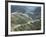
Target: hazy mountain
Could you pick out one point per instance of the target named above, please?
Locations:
(32, 11)
(25, 18)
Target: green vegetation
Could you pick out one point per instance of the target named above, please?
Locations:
(22, 23)
(36, 25)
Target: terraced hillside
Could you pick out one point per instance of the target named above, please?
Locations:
(22, 22)
(25, 18)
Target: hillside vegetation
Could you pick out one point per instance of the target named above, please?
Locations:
(20, 22)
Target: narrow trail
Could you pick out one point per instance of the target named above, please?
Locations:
(18, 25)
(27, 24)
